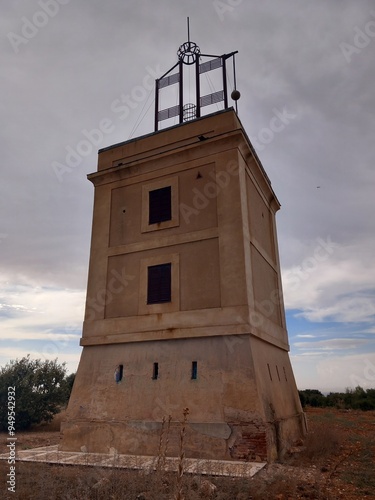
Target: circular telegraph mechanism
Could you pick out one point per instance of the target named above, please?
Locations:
(188, 52)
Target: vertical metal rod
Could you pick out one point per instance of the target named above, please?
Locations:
(198, 87)
(156, 105)
(225, 85)
(235, 79)
(181, 91)
(188, 26)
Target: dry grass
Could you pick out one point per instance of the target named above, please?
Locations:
(335, 458)
(322, 441)
(179, 495)
(37, 481)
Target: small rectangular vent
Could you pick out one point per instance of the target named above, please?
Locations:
(194, 370)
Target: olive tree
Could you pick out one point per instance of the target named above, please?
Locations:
(41, 389)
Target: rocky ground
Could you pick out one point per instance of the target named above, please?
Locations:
(336, 461)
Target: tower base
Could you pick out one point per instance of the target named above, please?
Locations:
(240, 417)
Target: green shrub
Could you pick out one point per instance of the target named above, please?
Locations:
(41, 388)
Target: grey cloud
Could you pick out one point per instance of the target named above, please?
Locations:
(65, 79)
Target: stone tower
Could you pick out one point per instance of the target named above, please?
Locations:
(184, 301)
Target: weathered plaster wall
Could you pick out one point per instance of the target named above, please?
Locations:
(224, 391)
(226, 310)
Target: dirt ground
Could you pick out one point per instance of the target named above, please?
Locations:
(335, 461)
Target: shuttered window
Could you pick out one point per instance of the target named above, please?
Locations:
(160, 207)
(159, 284)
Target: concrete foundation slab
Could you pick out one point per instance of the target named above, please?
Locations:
(52, 455)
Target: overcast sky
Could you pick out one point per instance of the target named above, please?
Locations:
(67, 67)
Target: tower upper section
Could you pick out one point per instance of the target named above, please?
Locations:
(195, 84)
(184, 238)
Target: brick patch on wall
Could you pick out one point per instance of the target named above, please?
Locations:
(250, 441)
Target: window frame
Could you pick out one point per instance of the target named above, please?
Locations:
(171, 182)
(156, 213)
(163, 307)
(165, 270)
